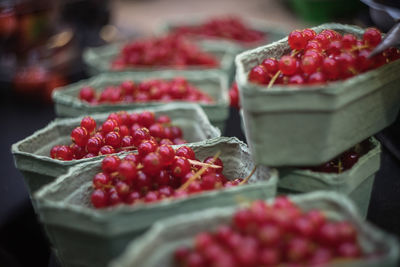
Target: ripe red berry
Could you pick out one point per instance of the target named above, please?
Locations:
(89, 124)
(152, 163)
(259, 75)
(140, 135)
(271, 65)
(110, 164)
(100, 180)
(185, 151)
(317, 78)
(297, 40)
(372, 37)
(146, 118)
(94, 144)
(147, 147)
(99, 198)
(288, 65)
(64, 153)
(348, 41)
(77, 151)
(127, 169)
(80, 136)
(180, 167)
(113, 139)
(109, 126)
(167, 154)
(104, 150)
(309, 64)
(87, 93)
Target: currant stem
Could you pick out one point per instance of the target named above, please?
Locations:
(249, 176)
(199, 163)
(272, 81)
(198, 173)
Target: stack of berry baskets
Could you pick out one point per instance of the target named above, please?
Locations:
(64, 143)
(311, 99)
(316, 229)
(127, 90)
(107, 203)
(168, 52)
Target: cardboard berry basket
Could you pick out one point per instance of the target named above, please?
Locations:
(32, 154)
(309, 125)
(356, 182)
(156, 247)
(85, 236)
(68, 104)
(98, 60)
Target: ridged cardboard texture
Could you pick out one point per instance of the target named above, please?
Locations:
(356, 182)
(32, 154)
(156, 247)
(75, 228)
(67, 103)
(313, 124)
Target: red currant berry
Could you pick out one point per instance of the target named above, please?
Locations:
(140, 135)
(309, 64)
(330, 68)
(288, 65)
(113, 139)
(152, 163)
(89, 124)
(80, 136)
(77, 151)
(110, 164)
(180, 167)
(167, 154)
(147, 147)
(348, 41)
(316, 78)
(372, 37)
(99, 198)
(64, 153)
(258, 75)
(100, 180)
(127, 169)
(94, 144)
(297, 40)
(309, 34)
(53, 151)
(146, 118)
(185, 151)
(104, 150)
(87, 93)
(271, 65)
(109, 126)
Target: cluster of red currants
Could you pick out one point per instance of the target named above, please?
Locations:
(344, 161)
(232, 28)
(121, 131)
(171, 50)
(323, 57)
(271, 235)
(155, 173)
(151, 90)
(234, 96)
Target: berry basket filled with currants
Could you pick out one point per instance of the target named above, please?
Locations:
(225, 31)
(168, 52)
(352, 173)
(126, 90)
(318, 84)
(108, 202)
(51, 151)
(316, 229)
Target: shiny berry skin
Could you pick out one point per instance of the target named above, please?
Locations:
(297, 40)
(87, 93)
(93, 145)
(363, 62)
(180, 167)
(258, 75)
(349, 250)
(185, 151)
(156, 130)
(100, 180)
(109, 126)
(372, 37)
(89, 124)
(217, 161)
(309, 64)
(110, 164)
(104, 150)
(78, 151)
(140, 135)
(194, 187)
(128, 87)
(176, 132)
(348, 41)
(296, 79)
(334, 48)
(80, 136)
(127, 169)
(122, 189)
(143, 181)
(99, 198)
(317, 78)
(146, 118)
(208, 182)
(271, 65)
(288, 65)
(113, 139)
(163, 119)
(167, 154)
(124, 131)
(152, 163)
(308, 34)
(147, 147)
(330, 68)
(53, 151)
(132, 197)
(64, 153)
(322, 39)
(127, 141)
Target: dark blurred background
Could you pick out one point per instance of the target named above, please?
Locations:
(41, 43)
